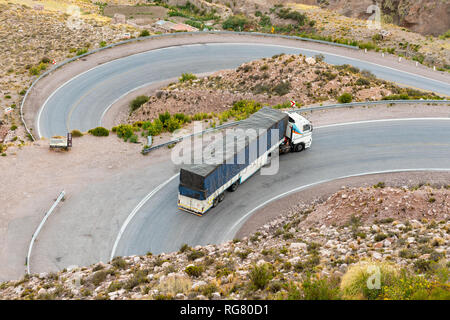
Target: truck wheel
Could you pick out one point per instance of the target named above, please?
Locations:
(299, 147)
(215, 202)
(234, 186)
(221, 196)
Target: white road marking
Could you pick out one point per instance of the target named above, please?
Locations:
(377, 121)
(133, 213)
(232, 230)
(121, 97)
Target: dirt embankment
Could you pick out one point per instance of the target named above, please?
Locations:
(273, 81)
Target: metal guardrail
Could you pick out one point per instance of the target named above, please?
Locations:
(36, 233)
(161, 36)
(298, 110)
(365, 103)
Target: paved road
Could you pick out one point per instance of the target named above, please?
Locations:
(81, 102)
(337, 151)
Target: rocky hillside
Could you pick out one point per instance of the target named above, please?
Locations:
(421, 16)
(272, 81)
(32, 35)
(324, 251)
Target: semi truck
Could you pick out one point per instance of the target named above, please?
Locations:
(203, 185)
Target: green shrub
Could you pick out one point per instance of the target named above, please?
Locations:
(261, 275)
(236, 23)
(379, 185)
(402, 96)
(354, 283)
(13, 127)
(367, 45)
(144, 33)
(156, 128)
(138, 102)
(173, 124)
(82, 51)
(413, 287)
(184, 248)
(76, 133)
(124, 131)
(98, 277)
(99, 132)
(102, 44)
(282, 88)
(345, 98)
(194, 271)
(320, 289)
(164, 118)
(287, 13)
(134, 139)
(195, 254)
(119, 263)
(187, 77)
(362, 82)
(139, 277)
(182, 118)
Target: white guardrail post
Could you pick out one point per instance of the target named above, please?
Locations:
(36, 233)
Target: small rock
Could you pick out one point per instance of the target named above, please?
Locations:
(42, 291)
(215, 296)
(180, 296)
(377, 255)
(298, 245)
(198, 284)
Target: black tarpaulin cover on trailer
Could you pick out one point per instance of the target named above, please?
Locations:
(235, 152)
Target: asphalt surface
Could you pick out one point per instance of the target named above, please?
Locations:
(81, 102)
(337, 151)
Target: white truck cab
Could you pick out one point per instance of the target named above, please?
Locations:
(298, 133)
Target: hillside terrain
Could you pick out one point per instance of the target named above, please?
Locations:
(421, 16)
(273, 81)
(32, 39)
(326, 250)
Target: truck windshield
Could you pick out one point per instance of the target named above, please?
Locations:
(307, 127)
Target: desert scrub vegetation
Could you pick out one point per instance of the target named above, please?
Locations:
(345, 98)
(99, 132)
(237, 23)
(187, 77)
(76, 133)
(137, 102)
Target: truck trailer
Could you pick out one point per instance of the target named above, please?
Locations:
(239, 155)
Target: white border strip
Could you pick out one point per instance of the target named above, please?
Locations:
(133, 213)
(36, 233)
(232, 231)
